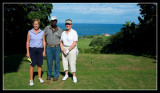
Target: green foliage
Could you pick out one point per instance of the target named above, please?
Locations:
(97, 41)
(85, 41)
(97, 44)
(18, 21)
(40, 11)
(148, 12)
(136, 39)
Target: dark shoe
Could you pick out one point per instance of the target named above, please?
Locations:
(48, 78)
(55, 79)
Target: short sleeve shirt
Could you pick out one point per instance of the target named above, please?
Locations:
(52, 37)
(68, 39)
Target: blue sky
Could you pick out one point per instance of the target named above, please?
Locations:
(106, 13)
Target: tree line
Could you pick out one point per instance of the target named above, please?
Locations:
(18, 21)
(133, 38)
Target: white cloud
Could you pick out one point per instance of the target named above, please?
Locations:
(96, 8)
(101, 12)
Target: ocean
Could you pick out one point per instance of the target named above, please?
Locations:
(84, 29)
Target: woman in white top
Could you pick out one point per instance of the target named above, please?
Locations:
(68, 44)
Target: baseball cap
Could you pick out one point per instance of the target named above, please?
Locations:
(53, 18)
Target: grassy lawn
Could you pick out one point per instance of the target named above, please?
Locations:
(84, 43)
(103, 71)
(94, 72)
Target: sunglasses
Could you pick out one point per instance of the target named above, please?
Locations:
(67, 24)
(53, 20)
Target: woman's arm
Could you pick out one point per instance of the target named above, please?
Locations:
(61, 46)
(75, 39)
(27, 45)
(73, 45)
(44, 46)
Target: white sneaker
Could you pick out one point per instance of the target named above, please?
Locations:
(31, 83)
(75, 79)
(65, 77)
(41, 80)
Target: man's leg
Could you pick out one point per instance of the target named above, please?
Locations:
(49, 52)
(56, 69)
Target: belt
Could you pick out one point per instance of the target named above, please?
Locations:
(52, 45)
(66, 46)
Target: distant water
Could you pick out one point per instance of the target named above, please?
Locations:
(94, 29)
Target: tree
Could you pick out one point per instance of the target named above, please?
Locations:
(147, 27)
(137, 39)
(97, 41)
(148, 12)
(18, 21)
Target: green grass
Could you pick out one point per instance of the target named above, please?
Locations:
(94, 72)
(84, 41)
(103, 71)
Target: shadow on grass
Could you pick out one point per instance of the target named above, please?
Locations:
(69, 74)
(36, 74)
(154, 57)
(12, 62)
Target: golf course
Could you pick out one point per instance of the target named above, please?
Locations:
(93, 71)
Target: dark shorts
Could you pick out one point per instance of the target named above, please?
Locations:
(36, 55)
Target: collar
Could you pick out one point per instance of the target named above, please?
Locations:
(70, 31)
(51, 27)
(38, 32)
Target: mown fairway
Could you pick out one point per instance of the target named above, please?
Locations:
(84, 41)
(103, 71)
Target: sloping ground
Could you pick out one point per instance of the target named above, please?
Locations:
(94, 72)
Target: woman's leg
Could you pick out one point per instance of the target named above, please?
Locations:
(39, 61)
(33, 59)
(65, 65)
(74, 74)
(65, 62)
(72, 60)
(39, 71)
(66, 72)
(39, 74)
(72, 63)
(31, 72)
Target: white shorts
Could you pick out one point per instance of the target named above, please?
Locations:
(70, 58)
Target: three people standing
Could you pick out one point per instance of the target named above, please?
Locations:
(52, 41)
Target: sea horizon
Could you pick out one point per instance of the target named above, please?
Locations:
(84, 29)
(91, 23)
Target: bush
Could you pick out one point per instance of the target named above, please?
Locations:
(97, 41)
(95, 50)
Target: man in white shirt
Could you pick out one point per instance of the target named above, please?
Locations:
(68, 44)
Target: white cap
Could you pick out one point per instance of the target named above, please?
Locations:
(53, 18)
